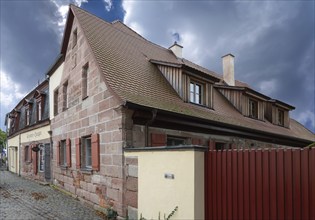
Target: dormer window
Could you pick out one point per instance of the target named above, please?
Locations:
(40, 100)
(27, 116)
(280, 117)
(195, 92)
(253, 108)
(74, 38)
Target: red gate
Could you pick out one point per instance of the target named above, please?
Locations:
(260, 184)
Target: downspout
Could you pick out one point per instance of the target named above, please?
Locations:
(149, 122)
(19, 150)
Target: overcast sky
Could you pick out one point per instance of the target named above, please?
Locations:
(273, 42)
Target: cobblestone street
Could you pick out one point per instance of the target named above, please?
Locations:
(24, 199)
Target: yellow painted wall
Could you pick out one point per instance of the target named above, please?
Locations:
(36, 134)
(156, 194)
(13, 154)
(54, 82)
(15, 143)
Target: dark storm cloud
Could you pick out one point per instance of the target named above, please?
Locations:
(273, 42)
(28, 42)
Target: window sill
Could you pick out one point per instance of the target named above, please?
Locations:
(86, 171)
(63, 167)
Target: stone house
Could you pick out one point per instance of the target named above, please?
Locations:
(29, 137)
(117, 90)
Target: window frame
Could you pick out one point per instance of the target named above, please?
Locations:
(63, 153)
(84, 84)
(27, 153)
(175, 138)
(85, 163)
(280, 117)
(200, 94)
(74, 37)
(253, 112)
(65, 96)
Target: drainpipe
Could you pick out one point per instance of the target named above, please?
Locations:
(149, 122)
(19, 149)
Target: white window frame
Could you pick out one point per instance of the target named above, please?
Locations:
(86, 152)
(193, 93)
(41, 158)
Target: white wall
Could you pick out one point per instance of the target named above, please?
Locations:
(157, 194)
(54, 82)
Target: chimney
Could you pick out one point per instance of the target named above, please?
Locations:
(177, 49)
(228, 69)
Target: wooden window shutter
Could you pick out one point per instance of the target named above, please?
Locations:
(78, 152)
(34, 161)
(196, 141)
(211, 145)
(95, 152)
(58, 153)
(158, 140)
(68, 151)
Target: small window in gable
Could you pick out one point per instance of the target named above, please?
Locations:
(74, 38)
(65, 95)
(280, 117)
(84, 81)
(253, 108)
(195, 92)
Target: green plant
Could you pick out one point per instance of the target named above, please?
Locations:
(165, 218)
(111, 213)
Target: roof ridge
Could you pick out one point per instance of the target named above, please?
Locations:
(111, 24)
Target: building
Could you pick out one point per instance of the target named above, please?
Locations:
(29, 137)
(117, 90)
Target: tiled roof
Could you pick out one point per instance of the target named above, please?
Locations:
(124, 58)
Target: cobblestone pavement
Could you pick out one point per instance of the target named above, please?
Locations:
(25, 199)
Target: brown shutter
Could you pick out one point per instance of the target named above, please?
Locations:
(211, 145)
(58, 153)
(95, 152)
(196, 141)
(78, 152)
(158, 140)
(68, 152)
(34, 161)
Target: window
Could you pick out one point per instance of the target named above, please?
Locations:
(27, 153)
(222, 146)
(253, 108)
(39, 110)
(56, 93)
(84, 80)
(195, 93)
(27, 116)
(74, 38)
(175, 141)
(63, 153)
(281, 117)
(41, 158)
(86, 152)
(65, 96)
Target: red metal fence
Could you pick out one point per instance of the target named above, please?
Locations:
(260, 184)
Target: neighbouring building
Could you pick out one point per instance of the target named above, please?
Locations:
(118, 90)
(29, 137)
